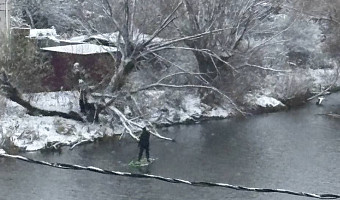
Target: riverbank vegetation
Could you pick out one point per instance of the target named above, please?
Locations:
(176, 62)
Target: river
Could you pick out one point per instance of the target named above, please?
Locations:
(296, 150)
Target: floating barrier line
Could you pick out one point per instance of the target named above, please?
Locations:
(169, 180)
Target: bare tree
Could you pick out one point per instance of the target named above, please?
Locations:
(46, 13)
(21, 58)
(128, 42)
(240, 19)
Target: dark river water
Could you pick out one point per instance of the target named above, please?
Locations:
(296, 150)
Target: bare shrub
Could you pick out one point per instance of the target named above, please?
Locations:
(25, 64)
(288, 86)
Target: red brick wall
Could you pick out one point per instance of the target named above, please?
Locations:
(95, 65)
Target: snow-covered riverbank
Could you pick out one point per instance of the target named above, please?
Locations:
(32, 133)
(35, 132)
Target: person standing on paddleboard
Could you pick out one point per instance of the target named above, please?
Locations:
(144, 142)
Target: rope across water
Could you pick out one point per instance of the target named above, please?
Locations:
(170, 180)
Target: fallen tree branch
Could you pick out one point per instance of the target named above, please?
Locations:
(128, 125)
(153, 132)
(124, 121)
(328, 88)
(13, 94)
(136, 104)
(81, 142)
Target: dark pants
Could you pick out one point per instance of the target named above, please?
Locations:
(141, 149)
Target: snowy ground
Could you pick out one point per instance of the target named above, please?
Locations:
(33, 132)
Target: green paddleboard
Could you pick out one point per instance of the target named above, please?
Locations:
(141, 163)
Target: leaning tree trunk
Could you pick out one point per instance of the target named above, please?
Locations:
(120, 76)
(207, 66)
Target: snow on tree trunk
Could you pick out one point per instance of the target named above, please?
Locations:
(119, 78)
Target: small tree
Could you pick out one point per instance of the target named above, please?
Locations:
(21, 58)
(42, 14)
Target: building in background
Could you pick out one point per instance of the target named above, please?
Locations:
(4, 16)
(97, 61)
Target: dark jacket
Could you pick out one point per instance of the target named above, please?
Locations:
(144, 139)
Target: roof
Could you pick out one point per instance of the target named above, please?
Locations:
(81, 49)
(40, 33)
(112, 38)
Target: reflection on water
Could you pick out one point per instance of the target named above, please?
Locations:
(295, 150)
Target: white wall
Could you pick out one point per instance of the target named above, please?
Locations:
(4, 22)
